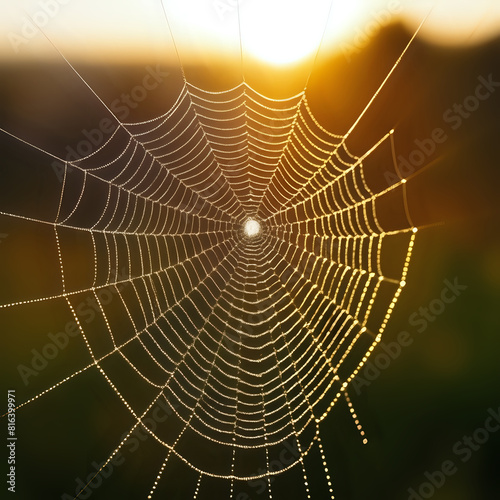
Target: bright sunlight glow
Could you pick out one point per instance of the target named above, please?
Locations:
(275, 31)
(286, 31)
(252, 228)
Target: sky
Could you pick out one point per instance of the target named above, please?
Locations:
(277, 31)
(441, 387)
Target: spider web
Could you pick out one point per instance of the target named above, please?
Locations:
(251, 340)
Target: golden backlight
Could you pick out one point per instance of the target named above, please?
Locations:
(278, 32)
(285, 31)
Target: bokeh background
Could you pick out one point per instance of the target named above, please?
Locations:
(439, 389)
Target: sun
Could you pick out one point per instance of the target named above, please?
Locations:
(285, 31)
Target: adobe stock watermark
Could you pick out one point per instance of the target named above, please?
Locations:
(462, 450)
(223, 7)
(121, 107)
(161, 411)
(48, 9)
(420, 320)
(454, 117)
(11, 440)
(362, 37)
(58, 341)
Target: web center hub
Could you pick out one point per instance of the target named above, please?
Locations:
(251, 228)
